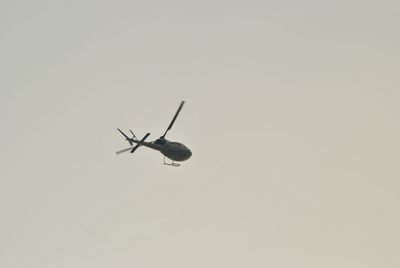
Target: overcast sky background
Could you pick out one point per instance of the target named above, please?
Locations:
(292, 113)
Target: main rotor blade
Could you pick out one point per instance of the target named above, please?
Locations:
(124, 150)
(173, 119)
(134, 148)
(120, 131)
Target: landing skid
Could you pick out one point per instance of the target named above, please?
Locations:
(173, 164)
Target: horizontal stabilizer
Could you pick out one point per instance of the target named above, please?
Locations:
(132, 149)
(138, 145)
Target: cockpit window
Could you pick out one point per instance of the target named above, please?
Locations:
(160, 142)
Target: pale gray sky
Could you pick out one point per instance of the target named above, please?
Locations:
(292, 115)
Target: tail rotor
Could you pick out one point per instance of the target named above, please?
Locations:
(132, 141)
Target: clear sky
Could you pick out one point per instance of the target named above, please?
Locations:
(292, 113)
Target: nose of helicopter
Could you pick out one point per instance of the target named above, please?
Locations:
(188, 153)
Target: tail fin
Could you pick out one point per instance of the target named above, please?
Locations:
(133, 135)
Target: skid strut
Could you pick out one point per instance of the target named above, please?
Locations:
(173, 164)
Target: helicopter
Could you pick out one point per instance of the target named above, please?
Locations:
(175, 151)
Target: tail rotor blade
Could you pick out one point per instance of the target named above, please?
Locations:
(173, 119)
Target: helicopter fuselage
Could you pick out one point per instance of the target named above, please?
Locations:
(175, 151)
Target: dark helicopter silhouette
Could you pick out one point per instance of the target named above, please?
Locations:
(175, 151)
